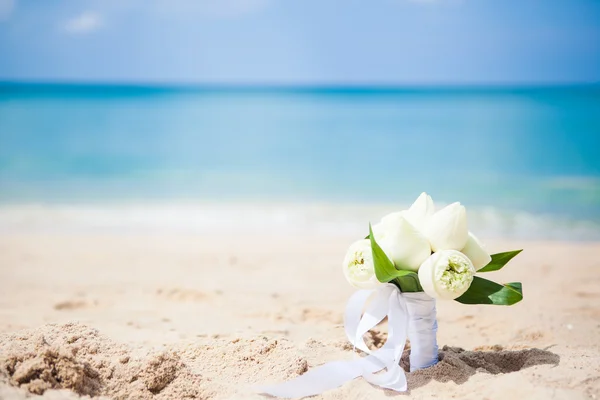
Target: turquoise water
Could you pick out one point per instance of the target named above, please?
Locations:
(533, 150)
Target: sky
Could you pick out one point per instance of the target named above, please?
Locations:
(301, 42)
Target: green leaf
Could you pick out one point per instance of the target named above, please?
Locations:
(409, 283)
(499, 260)
(384, 267)
(515, 286)
(483, 291)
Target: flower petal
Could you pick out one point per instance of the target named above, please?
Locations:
(476, 252)
(404, 244)
(358, 265)
(426, 276)
(447, 228)
(420, 211)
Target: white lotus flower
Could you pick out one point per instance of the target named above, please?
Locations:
(418, 213)
(446, 275)
(476, 252)
(358, 266)
(404, 245)
(447, 228)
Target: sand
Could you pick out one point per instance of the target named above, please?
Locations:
(175, 316)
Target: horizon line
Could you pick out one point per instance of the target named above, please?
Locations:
(281, 86)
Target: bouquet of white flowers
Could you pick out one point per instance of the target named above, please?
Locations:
(408, 260)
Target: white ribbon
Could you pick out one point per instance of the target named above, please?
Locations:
(422, 330)
(388, 301)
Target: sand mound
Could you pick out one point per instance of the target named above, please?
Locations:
(247, 360)
(78, 358)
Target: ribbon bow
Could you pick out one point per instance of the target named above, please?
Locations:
(388, 301)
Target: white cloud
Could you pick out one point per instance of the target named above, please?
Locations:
(6, 8)
(427, 2)
(171, 9)
(210, 8)
(84, 23)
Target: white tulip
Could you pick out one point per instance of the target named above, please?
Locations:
(476, 252)
(446, 275)
(359, 268)
(404, 245)
(447, 228)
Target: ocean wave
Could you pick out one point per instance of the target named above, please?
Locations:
(253, 218)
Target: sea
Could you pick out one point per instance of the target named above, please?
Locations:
(525, 161)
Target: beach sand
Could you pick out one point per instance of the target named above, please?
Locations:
(172, 316)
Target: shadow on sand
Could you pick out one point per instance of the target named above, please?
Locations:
(458, 365)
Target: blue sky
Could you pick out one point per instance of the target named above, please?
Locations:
(301, 41)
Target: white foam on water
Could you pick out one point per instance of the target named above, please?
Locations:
(254, 218)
